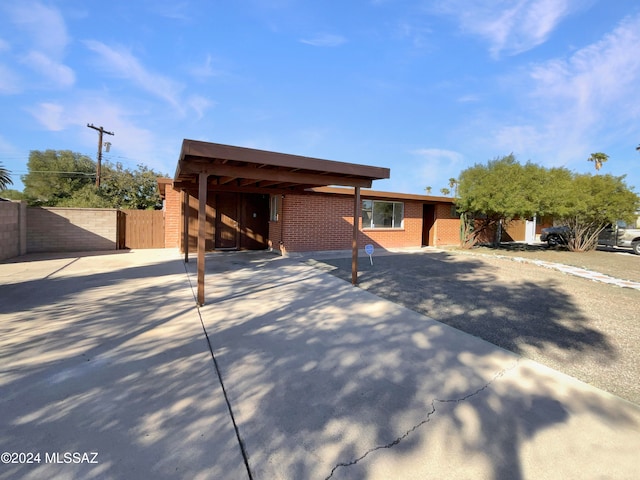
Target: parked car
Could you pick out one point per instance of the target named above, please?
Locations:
(555, 235)
(615, 235)
(621, 235)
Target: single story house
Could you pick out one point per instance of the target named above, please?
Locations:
(224, 197)
(254, 216)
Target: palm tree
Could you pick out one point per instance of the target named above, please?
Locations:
(453, 183)
(598, 159)
(445, 191)
(428, 190)
(5, 178)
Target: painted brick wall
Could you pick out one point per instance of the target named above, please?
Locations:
(12, 229)
(71, 229)
(172, 217)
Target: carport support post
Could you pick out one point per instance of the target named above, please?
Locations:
(202, 223)
(185, 226)
(354, 241)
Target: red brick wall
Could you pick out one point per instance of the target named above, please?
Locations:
(172, 217)
(275, 227)
(447, 227)
(409, 236)
(325, 222)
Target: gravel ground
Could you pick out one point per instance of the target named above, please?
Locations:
(585, 329)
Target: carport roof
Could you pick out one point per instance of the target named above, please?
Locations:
(240, 168)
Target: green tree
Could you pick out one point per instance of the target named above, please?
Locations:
(65, 178)
(13, 194)
(428, 190)
(445, 191)
(54, 175)
(5, 178)
(591, 203)
(501, 190)
(598, 159)
(132, 189)
(453, 184)
(493, 194)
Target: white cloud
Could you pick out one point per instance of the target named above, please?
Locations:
(438, 155)
(48, 38)
(9, 81)
(131, 144)
(45, 25)
(510, 26)
(599, 74)
(199, 104)
(325, 40)
(576, 99)
(435, 167)
(59, 74)
(121, 63)
(204, 70)
(470, 98)
(51, 116)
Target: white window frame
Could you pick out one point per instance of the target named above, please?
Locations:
(373, 226)
(274, 208)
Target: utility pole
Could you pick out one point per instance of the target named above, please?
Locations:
(99, 165)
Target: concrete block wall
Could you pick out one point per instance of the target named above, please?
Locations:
(12, 229)
(71, 229)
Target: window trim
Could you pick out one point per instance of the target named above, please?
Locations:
(372, 226)
(274, 208)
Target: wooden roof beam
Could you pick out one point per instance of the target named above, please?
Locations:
(280, 175)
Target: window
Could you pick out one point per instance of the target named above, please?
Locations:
(274, 208)
(377, 214)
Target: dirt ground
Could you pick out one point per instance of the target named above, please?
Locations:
(585, 329)
(618, 262)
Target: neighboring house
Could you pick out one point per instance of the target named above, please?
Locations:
(317, 219)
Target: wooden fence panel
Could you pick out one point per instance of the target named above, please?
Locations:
(144, 229)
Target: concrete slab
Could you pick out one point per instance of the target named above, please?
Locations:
(105, 354)
(328, 381)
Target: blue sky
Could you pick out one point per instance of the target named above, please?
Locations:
(426, 88)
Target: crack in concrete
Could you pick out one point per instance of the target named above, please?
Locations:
(426, 420)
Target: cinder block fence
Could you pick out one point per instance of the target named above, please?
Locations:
(71, 229)
(13, 229)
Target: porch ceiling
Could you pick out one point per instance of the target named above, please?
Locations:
(246, 169)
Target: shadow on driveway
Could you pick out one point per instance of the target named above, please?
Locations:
(329, 381)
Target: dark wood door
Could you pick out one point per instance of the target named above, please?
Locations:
(428, 220)
(255, 222)
(227, 221)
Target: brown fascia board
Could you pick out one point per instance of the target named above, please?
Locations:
(162, 185)
(365, 193)
(195, 148)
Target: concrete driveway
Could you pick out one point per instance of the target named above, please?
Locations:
(107, 354)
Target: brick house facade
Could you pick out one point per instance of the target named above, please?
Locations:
(321, 219)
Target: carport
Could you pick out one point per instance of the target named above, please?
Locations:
(205, 167)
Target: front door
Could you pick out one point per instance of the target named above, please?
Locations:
(428, 221)
(227, 214)
(255, 222)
